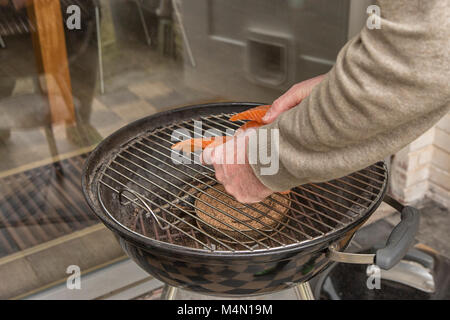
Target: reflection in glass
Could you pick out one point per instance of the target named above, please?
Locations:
(64, 88)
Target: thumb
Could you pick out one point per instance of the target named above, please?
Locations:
(282, 104)
(207, 156)
(291, 98)
(288, 100)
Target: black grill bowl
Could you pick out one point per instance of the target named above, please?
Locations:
(218, 272)
(242, 275)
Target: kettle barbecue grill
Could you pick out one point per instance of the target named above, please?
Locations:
(152, 205)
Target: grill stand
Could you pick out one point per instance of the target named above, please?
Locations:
(302, 291)
(168, 292)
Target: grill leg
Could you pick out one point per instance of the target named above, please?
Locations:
(303, 291)
(168, 293)
(2, 43)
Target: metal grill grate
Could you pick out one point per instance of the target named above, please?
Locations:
(146, 192)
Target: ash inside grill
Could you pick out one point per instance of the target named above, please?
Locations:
(185, 198)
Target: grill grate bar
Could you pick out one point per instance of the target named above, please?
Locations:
(229, 215)
(328, 199)
(376, 173)
(344, 190)
(367, 177)
(230, 134)
(363, 182)
(375, 165)
(235, 124)
(312, 207)
(335, 194)
(145, 164)
(322, 205)
(219, 124)
(342, 180)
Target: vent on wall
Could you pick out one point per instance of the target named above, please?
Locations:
(268, 57)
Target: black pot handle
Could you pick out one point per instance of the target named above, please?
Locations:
(397, 245)
(401, 237)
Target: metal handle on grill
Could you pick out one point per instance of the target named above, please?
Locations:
(397, 245)
(150, 211)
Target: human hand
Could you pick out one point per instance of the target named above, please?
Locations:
(236, 176)
(291, 98)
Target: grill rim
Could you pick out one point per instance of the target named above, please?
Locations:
(100, 155)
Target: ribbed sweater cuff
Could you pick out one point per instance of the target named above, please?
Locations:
(282, 179)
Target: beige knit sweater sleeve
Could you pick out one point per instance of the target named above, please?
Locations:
(388, 86)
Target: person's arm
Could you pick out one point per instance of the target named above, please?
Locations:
(388, 86)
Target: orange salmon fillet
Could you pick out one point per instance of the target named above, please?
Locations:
(199, 143)
(253, 114)
(250, 124)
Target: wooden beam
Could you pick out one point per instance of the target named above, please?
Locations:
(51, 55)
